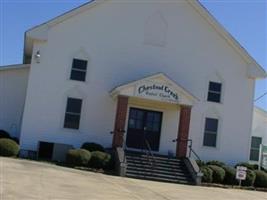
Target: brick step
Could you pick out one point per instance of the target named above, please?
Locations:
(178, 172)
(156, 156)
(180, 176)
(159, 164)
(160, 179)
(145, 159)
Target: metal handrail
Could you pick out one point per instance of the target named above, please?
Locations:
(150, 151)
(190, 146)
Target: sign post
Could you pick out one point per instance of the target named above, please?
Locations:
(241, 174)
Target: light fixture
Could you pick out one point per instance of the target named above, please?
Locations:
(37, 57)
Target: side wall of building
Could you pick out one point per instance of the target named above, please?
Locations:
(13, 86)
(259, 128)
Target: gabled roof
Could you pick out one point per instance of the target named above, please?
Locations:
(130, 88)
(12, 67)
(254, 69)
(261, 111)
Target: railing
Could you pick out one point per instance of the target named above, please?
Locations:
(149, 153)
(189, 146)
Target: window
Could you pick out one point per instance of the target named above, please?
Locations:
(73, 113)
(255, 148)
(78, 71)
(215, 90)
(210, 134)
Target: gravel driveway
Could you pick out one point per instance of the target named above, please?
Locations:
(27, 180)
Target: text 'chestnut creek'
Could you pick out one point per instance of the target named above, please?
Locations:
(155, 90)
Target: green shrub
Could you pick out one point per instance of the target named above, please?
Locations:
(216, 162)
(261, 179)
(247, 165)
(200, 163)
(218, 173)
(250, 179)
(78, 157)
(100, 160)
(230, 174)
(207, 174)
(4, 134)
(8, 148)
(93, 147)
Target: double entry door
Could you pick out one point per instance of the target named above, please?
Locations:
(144, 127)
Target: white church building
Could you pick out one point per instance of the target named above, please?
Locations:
(167, 73)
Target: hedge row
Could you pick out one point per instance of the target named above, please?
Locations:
(218, 172)
(90, 155)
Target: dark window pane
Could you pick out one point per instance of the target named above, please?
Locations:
(256, 142)
(149, 126)
(139, 124)
(157, 117)
(149, 117)
(209, 140)
(77, 75)
(79, 64)
(72, 121)
(131, 123)
(156, 127)
(74, 105)
(217, 87)
(133, 113)
(140, 115)
(254, 154)
(211, 125)
(214, 97)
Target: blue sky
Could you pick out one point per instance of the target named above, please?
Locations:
(246, 20)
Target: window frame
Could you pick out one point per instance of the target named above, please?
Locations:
(220, 93)
(78, 70)
(211, 132)
(254, 148)
(72, 114)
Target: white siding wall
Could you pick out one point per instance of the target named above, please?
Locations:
(13, 85)
(259, 128)
(115, 38)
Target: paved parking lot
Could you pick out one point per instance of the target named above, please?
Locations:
(27, 180)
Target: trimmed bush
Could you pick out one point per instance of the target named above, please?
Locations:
(200, 163)
(218, 173)
(4, 134)
(261, 179)
(216, 162)
(247, 165)
(250, 179)
(99, 160)
(207, 174)
(8, 148)
(78, 157)
(15, 139)
(93, 147)
(230, 174)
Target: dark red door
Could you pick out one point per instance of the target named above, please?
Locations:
(144, 125)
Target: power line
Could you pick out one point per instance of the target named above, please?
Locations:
(260, 97)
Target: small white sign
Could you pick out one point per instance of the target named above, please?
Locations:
(241, 173)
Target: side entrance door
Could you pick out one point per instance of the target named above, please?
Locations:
(144, 125)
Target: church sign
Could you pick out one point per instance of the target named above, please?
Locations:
(157, 91)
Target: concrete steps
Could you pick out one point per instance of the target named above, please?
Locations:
(161, 168)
